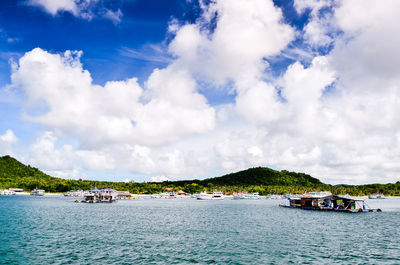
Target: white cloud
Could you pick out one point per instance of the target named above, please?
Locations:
(67, 174)
(321, 26)
(152, 53)
(55, 6)
(7, 140)
(114, 16)
(45, 154)
(159, 179)
(335, 118)
(86, 9)
(246, 32)
(8, 137)
(114, 113)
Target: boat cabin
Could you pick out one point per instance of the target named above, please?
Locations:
(329, 202)
(96, 195)
(89, 197)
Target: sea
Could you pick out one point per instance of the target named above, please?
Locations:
(55, 230)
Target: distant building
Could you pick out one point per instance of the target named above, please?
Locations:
(181, 192)
(123, 195)
(16, 189)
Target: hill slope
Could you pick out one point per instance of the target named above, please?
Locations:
(264, 180)
(15, 174)
(258, 176)
(265, 176)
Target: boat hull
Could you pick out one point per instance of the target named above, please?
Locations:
(333, 209)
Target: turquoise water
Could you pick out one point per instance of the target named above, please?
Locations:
(54, 230)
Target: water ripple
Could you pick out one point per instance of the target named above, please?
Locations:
(54, 230)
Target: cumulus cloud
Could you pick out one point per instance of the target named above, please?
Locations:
(114, 16)
(320, 29)
(159, 179)
(45, 154)
(117, 118)
(245, 34)
(53, 7)
(7, 140)
(335, 118)
(117, 112)
(86, 9)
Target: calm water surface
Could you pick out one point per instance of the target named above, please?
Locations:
(54, 230)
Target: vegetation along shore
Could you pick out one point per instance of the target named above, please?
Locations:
(261, 179)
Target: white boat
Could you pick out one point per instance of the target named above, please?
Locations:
(217, 195)
(376, 196)
(107, 195)
(274, 197)
(74, 193)
(37, 192)
(204, 196)
(246, 196)
(7, 192)
(98, 196)
(169, 195)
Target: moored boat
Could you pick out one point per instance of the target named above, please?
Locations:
(204, 196)
(246, 196)
(37, 192)
(7, 192)
(376, 196)
(74, 193)
(328, 202)
(169, 195)
(98, 196)
(216, 195)
(274, 197)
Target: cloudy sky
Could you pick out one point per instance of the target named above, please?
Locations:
(156, 89)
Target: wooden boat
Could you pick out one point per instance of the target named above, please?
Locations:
(327, 202)
(98, 196)
(216, 195)
(37, 192)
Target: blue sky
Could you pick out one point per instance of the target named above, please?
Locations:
(144, 23)
(152, 90)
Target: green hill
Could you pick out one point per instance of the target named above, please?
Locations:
(263, 180)
(265, 176)
(15, 174)
(257, 176)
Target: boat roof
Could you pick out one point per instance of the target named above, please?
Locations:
(331, 197)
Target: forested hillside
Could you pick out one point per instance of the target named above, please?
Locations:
(263, 180)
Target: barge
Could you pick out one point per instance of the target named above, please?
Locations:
(325, 201)
(37, 192)
(98, 196)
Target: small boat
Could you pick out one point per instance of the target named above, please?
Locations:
(37, 192)
(169, 195)
(99, 196)
(204, 196)
(246, 196)
(7, 192)
(376, 196)
(274, 197)
(216, 195)
(325, 201)
(107, 195)
(74, 193)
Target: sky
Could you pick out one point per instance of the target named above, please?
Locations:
(150, 90)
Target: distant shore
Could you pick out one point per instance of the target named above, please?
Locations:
(46, 194)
